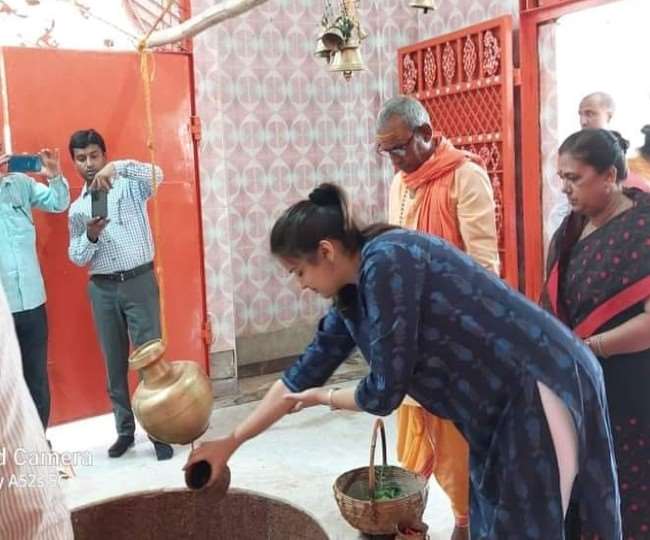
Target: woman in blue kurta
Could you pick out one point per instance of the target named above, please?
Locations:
(526, 393)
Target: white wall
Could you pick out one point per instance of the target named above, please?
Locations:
(605, 49)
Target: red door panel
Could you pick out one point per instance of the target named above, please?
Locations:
(465, 80)
(50, 94)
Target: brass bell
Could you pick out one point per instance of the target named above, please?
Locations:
(348, 60)
(425, 5)
(333, 38)
(322, 51)
(362, 33)
(174, 400)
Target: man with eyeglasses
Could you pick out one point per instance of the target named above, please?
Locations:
(20, 272)
(444, 191)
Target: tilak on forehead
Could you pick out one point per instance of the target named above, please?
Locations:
(386, 134)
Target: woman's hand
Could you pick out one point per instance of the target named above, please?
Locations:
(216, 452)
(308, 398)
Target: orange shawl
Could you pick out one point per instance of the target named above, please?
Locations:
(433, 182)
(639, 173)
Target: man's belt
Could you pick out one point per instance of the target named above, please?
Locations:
(126, 274)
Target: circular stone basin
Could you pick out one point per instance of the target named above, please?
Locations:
(213, 513)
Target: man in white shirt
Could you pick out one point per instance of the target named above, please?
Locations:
(118, 251)
(31, 502)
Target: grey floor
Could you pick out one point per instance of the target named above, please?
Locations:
(297, 460)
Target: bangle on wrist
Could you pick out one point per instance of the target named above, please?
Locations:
(601, 347)
(596, 345)
(330, 395)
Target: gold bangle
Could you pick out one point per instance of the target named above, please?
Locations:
(601, 346)
(330, 395)
(596, 345)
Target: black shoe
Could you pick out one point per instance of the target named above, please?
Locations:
(163, 450)
(121, 445)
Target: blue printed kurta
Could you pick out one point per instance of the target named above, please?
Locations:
(435, 325)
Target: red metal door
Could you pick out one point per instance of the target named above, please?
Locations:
(465, 80)
(535, 13)
(51, 93)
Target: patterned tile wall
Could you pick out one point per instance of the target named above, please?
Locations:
(553, 207)
(276, 123)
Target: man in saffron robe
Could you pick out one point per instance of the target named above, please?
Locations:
(443, 191)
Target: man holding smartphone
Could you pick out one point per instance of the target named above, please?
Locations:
(20, 272)
(110, 234)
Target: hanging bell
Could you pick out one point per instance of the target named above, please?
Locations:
(425, 5)
(322, 51)
(347, 60)
(332, 38)
(363, 34)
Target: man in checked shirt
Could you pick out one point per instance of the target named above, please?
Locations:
(118, 251)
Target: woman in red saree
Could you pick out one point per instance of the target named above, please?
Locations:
(599, 285)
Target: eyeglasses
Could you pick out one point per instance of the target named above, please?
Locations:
(398, 151)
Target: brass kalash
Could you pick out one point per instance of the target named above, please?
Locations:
(173, 401)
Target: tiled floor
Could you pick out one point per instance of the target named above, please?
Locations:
(297, 460)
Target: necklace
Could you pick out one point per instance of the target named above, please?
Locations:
(411, 195)
(623, 205)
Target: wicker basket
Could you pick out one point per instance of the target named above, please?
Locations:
(355, 490)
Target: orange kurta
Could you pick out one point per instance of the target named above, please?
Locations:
(450, 196)
(639, 173)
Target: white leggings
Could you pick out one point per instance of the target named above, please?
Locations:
(565, 440)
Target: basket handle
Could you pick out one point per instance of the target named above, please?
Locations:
(379, 426)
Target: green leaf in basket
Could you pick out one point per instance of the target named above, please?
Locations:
(385, 493)
(386, 489)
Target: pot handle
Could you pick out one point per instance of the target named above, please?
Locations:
(379, 426)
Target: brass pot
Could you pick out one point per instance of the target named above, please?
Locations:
(173, 401)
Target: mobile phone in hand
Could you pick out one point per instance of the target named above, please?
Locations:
(25, 163)
(99, 203)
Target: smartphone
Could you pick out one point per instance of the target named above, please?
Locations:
(99, 203)
(25, 163)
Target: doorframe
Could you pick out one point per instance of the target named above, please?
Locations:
(531, 18)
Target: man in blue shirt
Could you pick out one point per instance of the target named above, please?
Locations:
(20, 272)
(118, 251)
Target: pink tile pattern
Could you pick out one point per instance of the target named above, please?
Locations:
(275, 124)
(553, 201)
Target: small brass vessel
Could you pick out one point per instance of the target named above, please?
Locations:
(174, 400)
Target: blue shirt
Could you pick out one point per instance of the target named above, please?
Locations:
(126, 241)
(20, 272)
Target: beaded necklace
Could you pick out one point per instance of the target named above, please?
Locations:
(407, 191)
